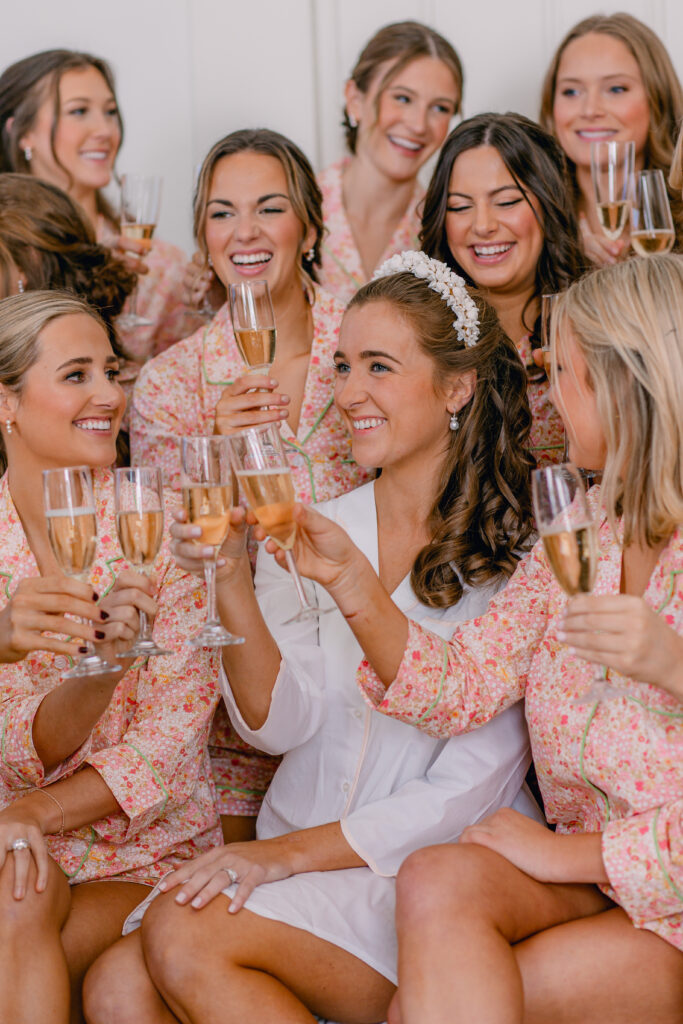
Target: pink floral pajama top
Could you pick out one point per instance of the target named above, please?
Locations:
(615, 767)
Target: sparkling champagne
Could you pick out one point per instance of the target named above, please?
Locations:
(547, 361)
(613, 217)
(270, 493)
(73, 537)
(573, 557)
(208, 506)
(140, 535)
(649, 243)
(142, 232)
(257, 347)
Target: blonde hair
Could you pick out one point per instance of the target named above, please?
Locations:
(628, 323)
(676, 172)
(22, 320)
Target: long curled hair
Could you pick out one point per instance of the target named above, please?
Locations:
(45, 236)
(304, 191)
(24, 86)
(538, 167)
(662, 87)
(481, 519)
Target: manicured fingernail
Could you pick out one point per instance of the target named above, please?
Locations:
(283, 413)
(196, 531)
(220, 562)
(162, 886)
(82, 650)
(181, 898)
(561, 635)
(207, 552)
(232, 909)
(99, 634)
(197, 902)
(95, 596)
(103, 614)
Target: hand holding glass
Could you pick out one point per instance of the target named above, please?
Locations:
(72, 530)
(612, 171)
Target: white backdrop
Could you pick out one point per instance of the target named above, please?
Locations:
(189, 71)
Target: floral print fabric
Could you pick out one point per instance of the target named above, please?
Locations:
(342, 270)
(150, 744)
(547, 431)
(614, 767)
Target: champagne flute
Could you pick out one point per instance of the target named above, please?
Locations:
(253, 323)
(140, 527)
(570, 539)
(72, 531)
(612, 171)
(548, 303)
(262, 469)
(207, 485)
(140, 197)
(652, 228)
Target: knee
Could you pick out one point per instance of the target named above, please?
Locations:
(20, 919)
(170, 942)
(448, 878)
(108, 997)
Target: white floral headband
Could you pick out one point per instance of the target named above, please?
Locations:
(445, 283)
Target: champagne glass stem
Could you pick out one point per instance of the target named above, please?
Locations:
(294, 572)
(210, 578)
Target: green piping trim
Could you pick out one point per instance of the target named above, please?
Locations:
(654, 711)
(8, 576)
(224, 786)
(546, 447)
(108, 563)
(439, 693)
(154, 772)
(205, 375)
(660, 859)
(309, 466)
(318, 421)
(597, 789)
(352, 277)
(93, 837)
(671, 589)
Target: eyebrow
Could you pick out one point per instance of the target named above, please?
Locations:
(261, 199)
(85, 361)
(406, 88)
(495, 191)
(370, 354)
(603, 78)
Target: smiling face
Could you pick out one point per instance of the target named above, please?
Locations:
(576, 402)
(493, 233)
(87, 135)
(599, 95)
(71, 405)
(386, 392)
(411, 120)
(250, 226)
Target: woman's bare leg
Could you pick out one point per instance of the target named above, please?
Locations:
(98, 910)
(215, 968)
(119, 990)
(34, 983)
(238, 828)
(600, 970)
(459, 910)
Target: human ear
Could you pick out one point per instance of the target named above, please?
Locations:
(460, 390)
(8, 403)
(354, 101)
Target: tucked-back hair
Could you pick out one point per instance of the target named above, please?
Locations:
(538, 167)
(23, 88)
(482, 519)
(401, 43)
(22, 320)
(304, 191)
(662, 87)
(628, 322)
(46, 236)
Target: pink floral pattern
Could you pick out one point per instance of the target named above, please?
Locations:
(342, 270)
(547, 431)
(614, 767)
(176, 395)
(150, 746)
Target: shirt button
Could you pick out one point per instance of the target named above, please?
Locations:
(345, 787)
(357, 713)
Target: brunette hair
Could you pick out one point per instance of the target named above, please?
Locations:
(481, 520)
(538, 167)
(662, 87)
(22, 319)
(304, 191)
(24, 86)
(45, 235)
(627, 320)
(402, 43)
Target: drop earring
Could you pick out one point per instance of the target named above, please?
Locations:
(209, 261)
(310, 255)
(453, 423)
(8, 424)
(28, 154)
(20, 287)
(353, 123)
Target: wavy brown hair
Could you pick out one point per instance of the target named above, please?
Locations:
(662, 87)
(46, 236)
(481, 520)
(23, 88)
(399, 43)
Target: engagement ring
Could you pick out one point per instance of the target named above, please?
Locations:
(20, 844)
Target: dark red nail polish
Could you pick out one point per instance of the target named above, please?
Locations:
(103, 614)
(99, 635)
(82, 650)
(95, 596)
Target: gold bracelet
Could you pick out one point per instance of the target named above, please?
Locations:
(54, 799)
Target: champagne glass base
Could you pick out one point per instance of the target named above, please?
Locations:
(144, 649)
(213, 635)
(92, 665)
(306, 614)
(130, 320)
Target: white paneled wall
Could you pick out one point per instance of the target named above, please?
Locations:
(189, 71)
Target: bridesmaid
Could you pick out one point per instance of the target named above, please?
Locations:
(403, 92)
(256, 213)
(60, 121)
(495, 212)
(612, 78)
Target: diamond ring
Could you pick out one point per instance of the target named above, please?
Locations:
(232, 875)
(20, 844)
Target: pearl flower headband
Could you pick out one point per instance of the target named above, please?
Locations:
(445, 283)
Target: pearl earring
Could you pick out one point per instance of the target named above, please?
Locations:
(209, 261)
(353, 123)
(8, 424)
(453, 423)
(20, 287)
(28, 154)
(310, 255)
